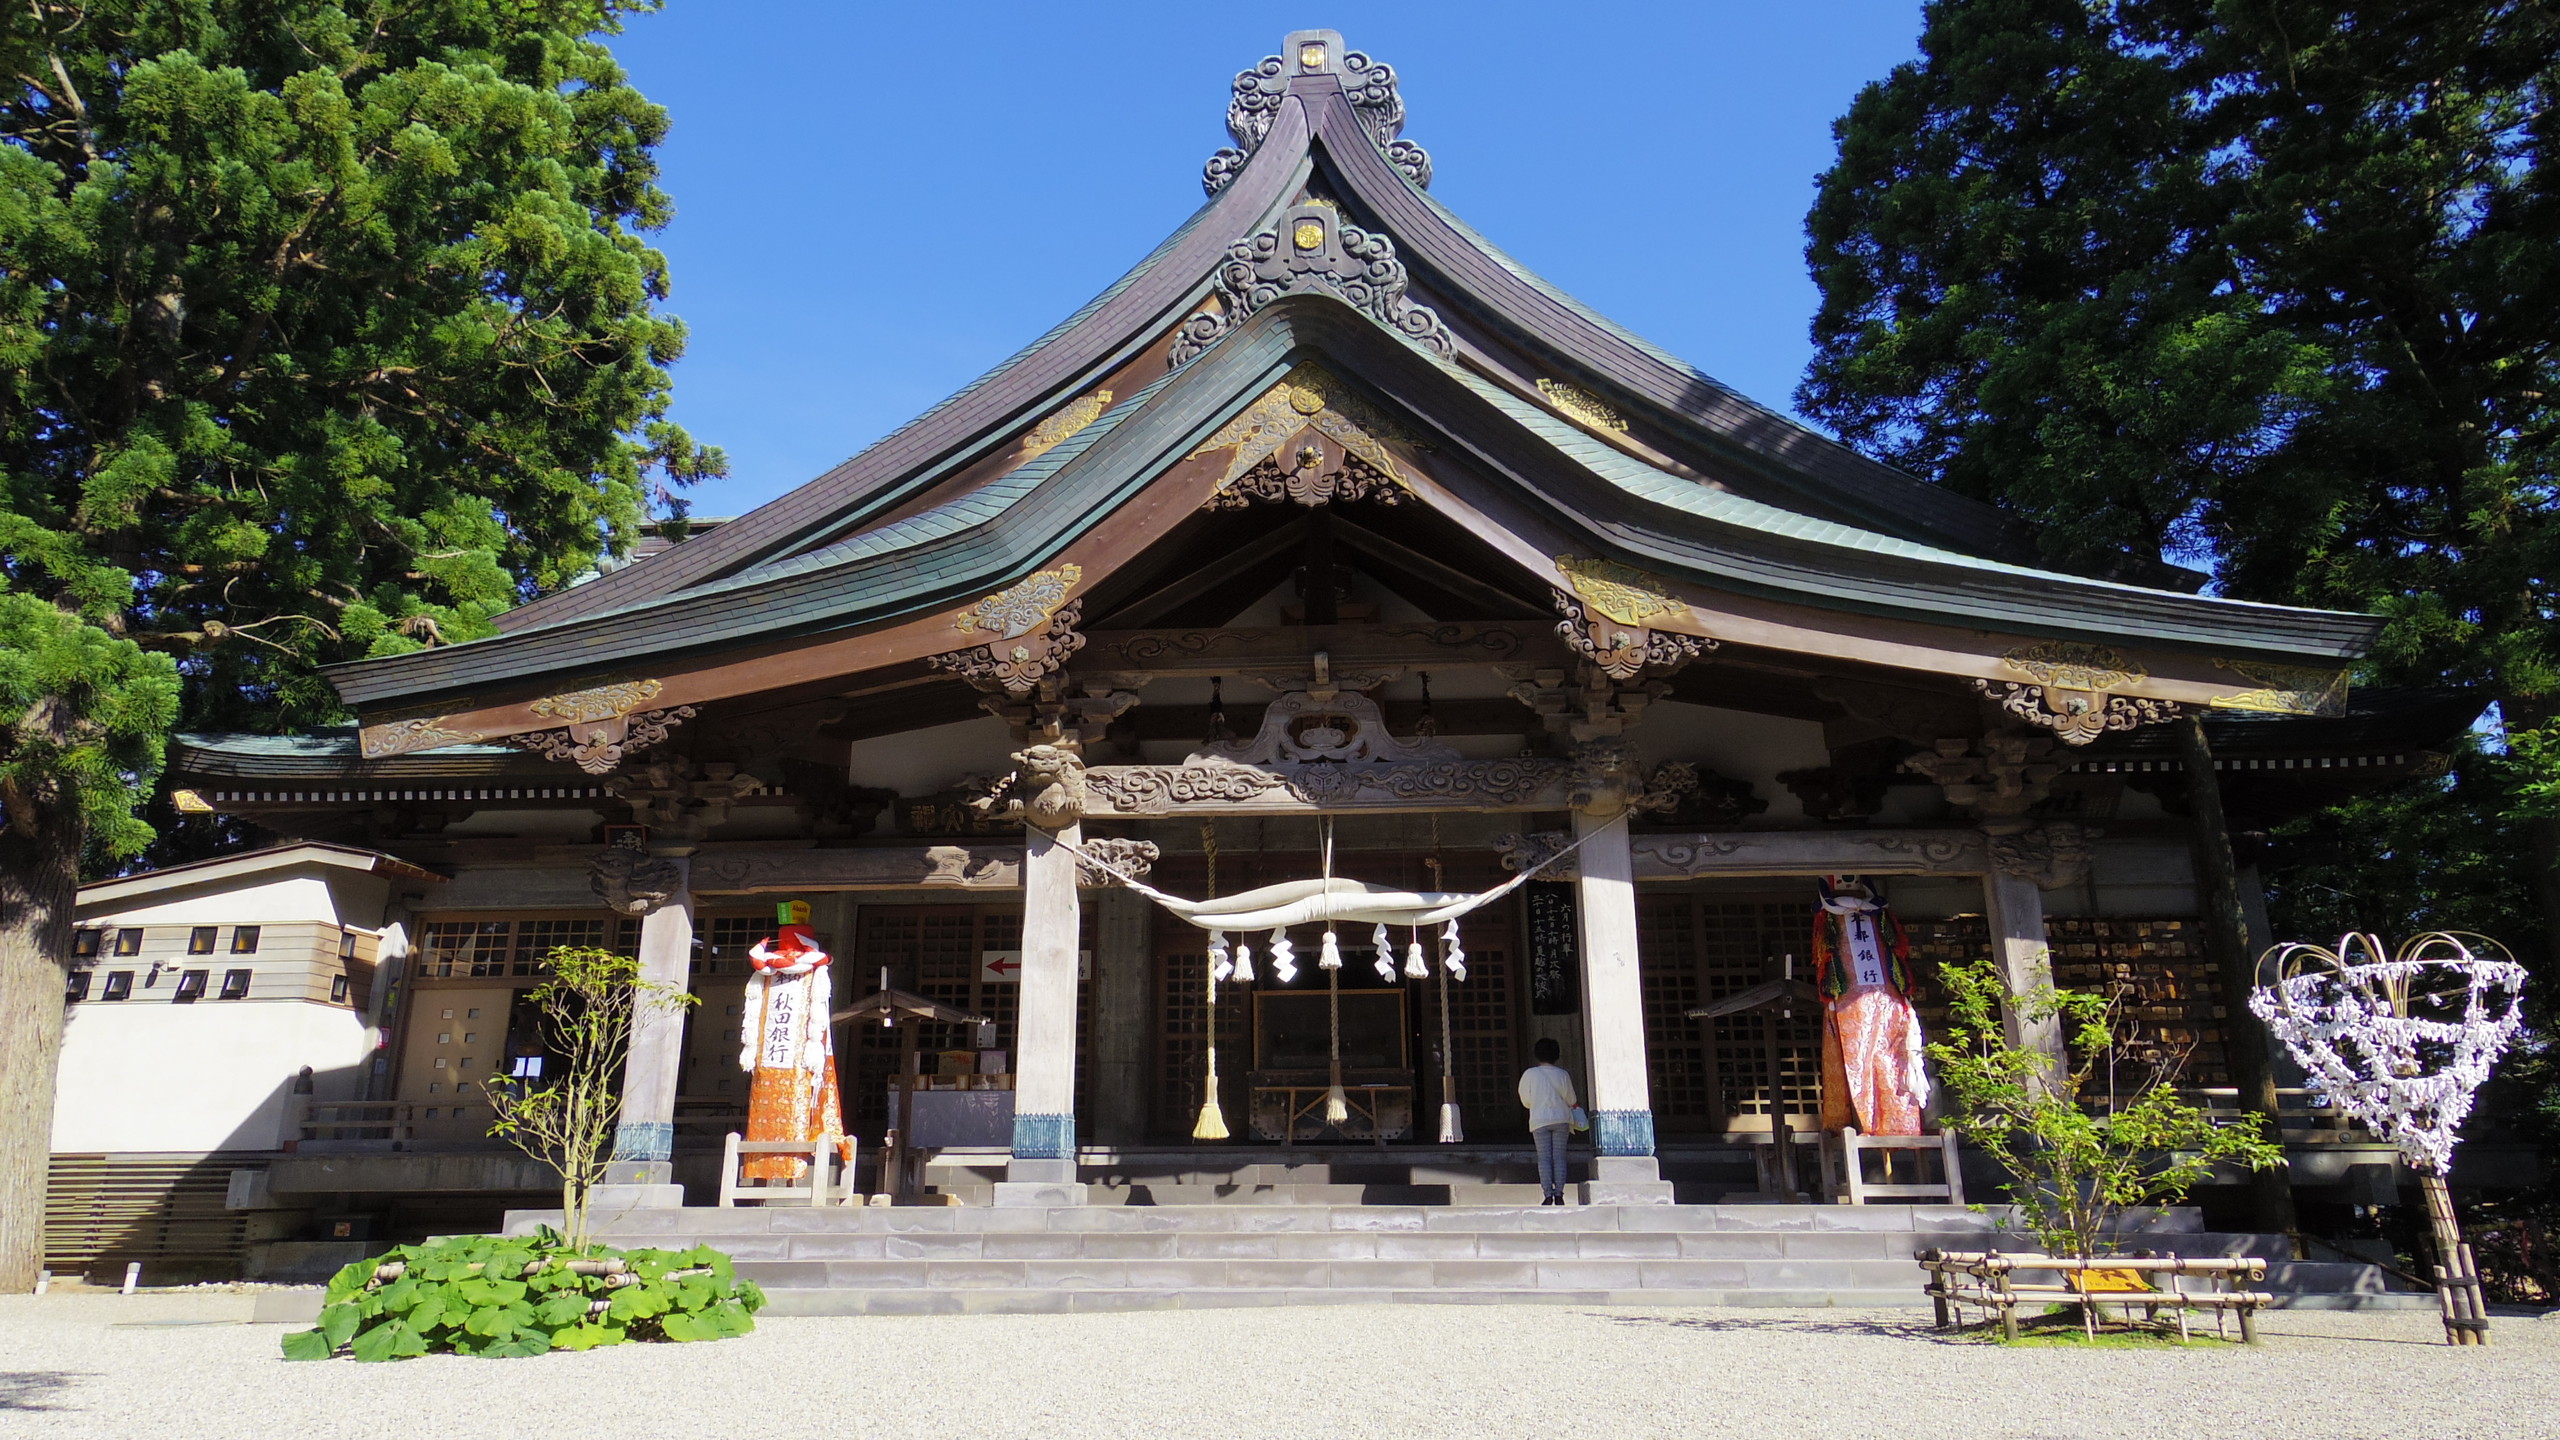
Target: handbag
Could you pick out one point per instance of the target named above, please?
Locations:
(1581, 1118)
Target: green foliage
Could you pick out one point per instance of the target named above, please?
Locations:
(326, 329)
(500, 1297)
(567, 1119)
(81, 715)
(2087, 1143)
(2270, 286)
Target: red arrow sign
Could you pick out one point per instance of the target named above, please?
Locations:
(1001, 966)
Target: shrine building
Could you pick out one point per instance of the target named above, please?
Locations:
(1327, 536)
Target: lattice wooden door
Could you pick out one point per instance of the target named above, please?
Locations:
(1713, 1075)
(937, 952)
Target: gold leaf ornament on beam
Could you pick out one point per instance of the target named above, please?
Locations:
(2072, 690)
(1621, 592)
(1309, 397)
(2285, 689)
(1022, 607)
(1063, 424)
(399, 737)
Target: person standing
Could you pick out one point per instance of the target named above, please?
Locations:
(1547, 1091)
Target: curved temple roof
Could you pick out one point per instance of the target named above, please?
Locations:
(1599, 435)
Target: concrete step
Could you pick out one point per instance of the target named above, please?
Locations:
(861, 1260)
(1954, 1227)
(848, 1301)
(1413, 1273)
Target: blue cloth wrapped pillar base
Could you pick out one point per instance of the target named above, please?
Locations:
(1622, 1132)
(1046, 1137)
(644, 1140)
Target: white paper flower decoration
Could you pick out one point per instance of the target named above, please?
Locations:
(2401, 1042)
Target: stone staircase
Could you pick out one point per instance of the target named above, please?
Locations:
(1494, 1175)
(1245, 1251)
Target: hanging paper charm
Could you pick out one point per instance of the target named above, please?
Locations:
(1284, 957)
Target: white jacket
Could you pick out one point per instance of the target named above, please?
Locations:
(1548, 1092)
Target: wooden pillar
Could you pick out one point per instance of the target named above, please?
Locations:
(643, 1169)
(1043, 1166)
(1620, 1096)
(2014, 910)
(2224, 923)
(1123, 1015)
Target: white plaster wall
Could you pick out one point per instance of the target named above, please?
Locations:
(921, 762)
(516, 887)
(1737, 744)
(270, 900)
(208, 1076)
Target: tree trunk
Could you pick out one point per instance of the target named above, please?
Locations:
(2226, 943)
(39, 882)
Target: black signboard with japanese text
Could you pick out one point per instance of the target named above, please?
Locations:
(1555, 948)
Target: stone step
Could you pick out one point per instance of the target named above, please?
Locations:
(1954, 1227)
(1413, 1273)
(848, 1301)
(1311, 1246)
(1030, 1301)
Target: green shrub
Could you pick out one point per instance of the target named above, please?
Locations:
(487, 1295)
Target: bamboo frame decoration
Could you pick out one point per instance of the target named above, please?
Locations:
(2402, 1041)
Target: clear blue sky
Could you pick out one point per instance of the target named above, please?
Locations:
(876, 203)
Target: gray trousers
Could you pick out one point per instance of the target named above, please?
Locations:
(1550, 1139)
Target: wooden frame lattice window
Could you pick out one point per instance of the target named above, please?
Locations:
(936, 951)
(482, 947)
(1713, 1075)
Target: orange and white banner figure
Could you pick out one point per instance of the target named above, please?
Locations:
(1862, 966)
(788, 1047)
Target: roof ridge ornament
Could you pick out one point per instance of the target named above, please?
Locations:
(1370, 86)
(1310, 250)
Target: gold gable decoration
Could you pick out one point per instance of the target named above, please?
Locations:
(2285, 689)
(2071, 695)
(399, 737)
(1046, 435)
(1582, 405)
(1621, 592)
(1019, 609)
(1309, 397)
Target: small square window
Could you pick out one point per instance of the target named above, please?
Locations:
(466, 1062)
(472, 1014)
(129, 940)
(75, 986)
(84, 943)
(448, 1014)
(235, 984)
(431, 1112)
(435, 1087)
(461, 1110)
(119, 985)
(191, 987)
(347, 945)
(470, 1037)
(465, 1085)
(244, 939)
(444, 1037)
(200, 939)
(337, 989)
(439, 1062)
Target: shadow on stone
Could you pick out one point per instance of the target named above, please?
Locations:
(33, 1389)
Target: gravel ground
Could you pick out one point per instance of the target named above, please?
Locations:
(185, 1365)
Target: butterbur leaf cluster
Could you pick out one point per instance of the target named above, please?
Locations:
(514, 1296)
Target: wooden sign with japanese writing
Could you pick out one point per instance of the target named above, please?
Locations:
(1555, 949)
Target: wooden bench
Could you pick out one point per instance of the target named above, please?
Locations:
(1841, 1152)
(822, 1155)
(1987, 1279)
